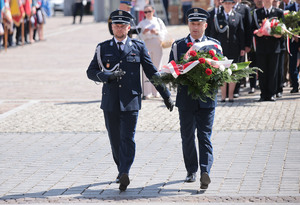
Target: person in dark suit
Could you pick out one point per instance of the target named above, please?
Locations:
(294, 44)
(245, 11)
(194, 113)
(285, 3)
(116, 64)
(78, 6)
(251, 54)
(210, 20)
(229, 30)
(268, 50)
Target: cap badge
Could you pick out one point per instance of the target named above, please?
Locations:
(120, 12)
(195, 10)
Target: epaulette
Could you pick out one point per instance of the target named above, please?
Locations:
(180, 40)
(105, 42)
(213, 39)
(136, 40)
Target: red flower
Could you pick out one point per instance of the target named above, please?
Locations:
(208, 71)
(189, 44)
(212, 53)
(201, 60)
(215, 58)
(193, 53)
(216, 46)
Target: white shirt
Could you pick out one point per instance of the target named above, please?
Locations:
(154, 23)
(193, 40)
(123, 42)
(269, 9)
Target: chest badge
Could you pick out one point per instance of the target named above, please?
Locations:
(107, 65)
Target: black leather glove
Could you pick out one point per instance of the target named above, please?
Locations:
(116, 75)
(169, 103)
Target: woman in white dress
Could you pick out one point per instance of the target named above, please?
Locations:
(153, 30)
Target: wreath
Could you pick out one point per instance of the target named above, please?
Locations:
(203, 69)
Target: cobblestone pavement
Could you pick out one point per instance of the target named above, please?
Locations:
(54, 148)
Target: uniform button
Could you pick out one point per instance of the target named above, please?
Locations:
(120, 61)
(120, 86)
(120, 78)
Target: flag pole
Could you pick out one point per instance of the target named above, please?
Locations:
(5, 37)
(23, 32)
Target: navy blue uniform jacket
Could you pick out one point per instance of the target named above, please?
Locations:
(124, 94)
(266, 44)
(183, 100)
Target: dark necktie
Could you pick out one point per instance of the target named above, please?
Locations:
(267, 13)
(119, 46)
(197, 40)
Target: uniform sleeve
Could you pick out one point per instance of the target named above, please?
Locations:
(171, 56)
(213, 32)
(151, 71)
(247, 27)
(95, 73)
(241, 34)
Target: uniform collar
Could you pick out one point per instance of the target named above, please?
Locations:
(193, 40)
(124, 40)
(269, 9)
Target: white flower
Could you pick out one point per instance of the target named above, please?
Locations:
(229, 71)
(222, 68)
(234, 66)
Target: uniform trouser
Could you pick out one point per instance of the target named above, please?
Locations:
(252, 77)
(294, 71)
(268, 63)
(202, 120)
(280, 78)
(154, 47)
(121, 127)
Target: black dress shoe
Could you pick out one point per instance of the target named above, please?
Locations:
(204, 180)
(231, 100)
(191, 177)
(118, 179)
(294, 90)
(272, 99)
(124, 182)
(261, 99)
(252, 90)
(279, 95)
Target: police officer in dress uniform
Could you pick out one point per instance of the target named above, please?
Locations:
(294, 45)
(215, 10)
(195, 114)
(251, 54)
(268, 50)
(229, 30)
(245, 11)
(116, 64)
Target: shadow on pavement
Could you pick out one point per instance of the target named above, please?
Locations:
(83, 192)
